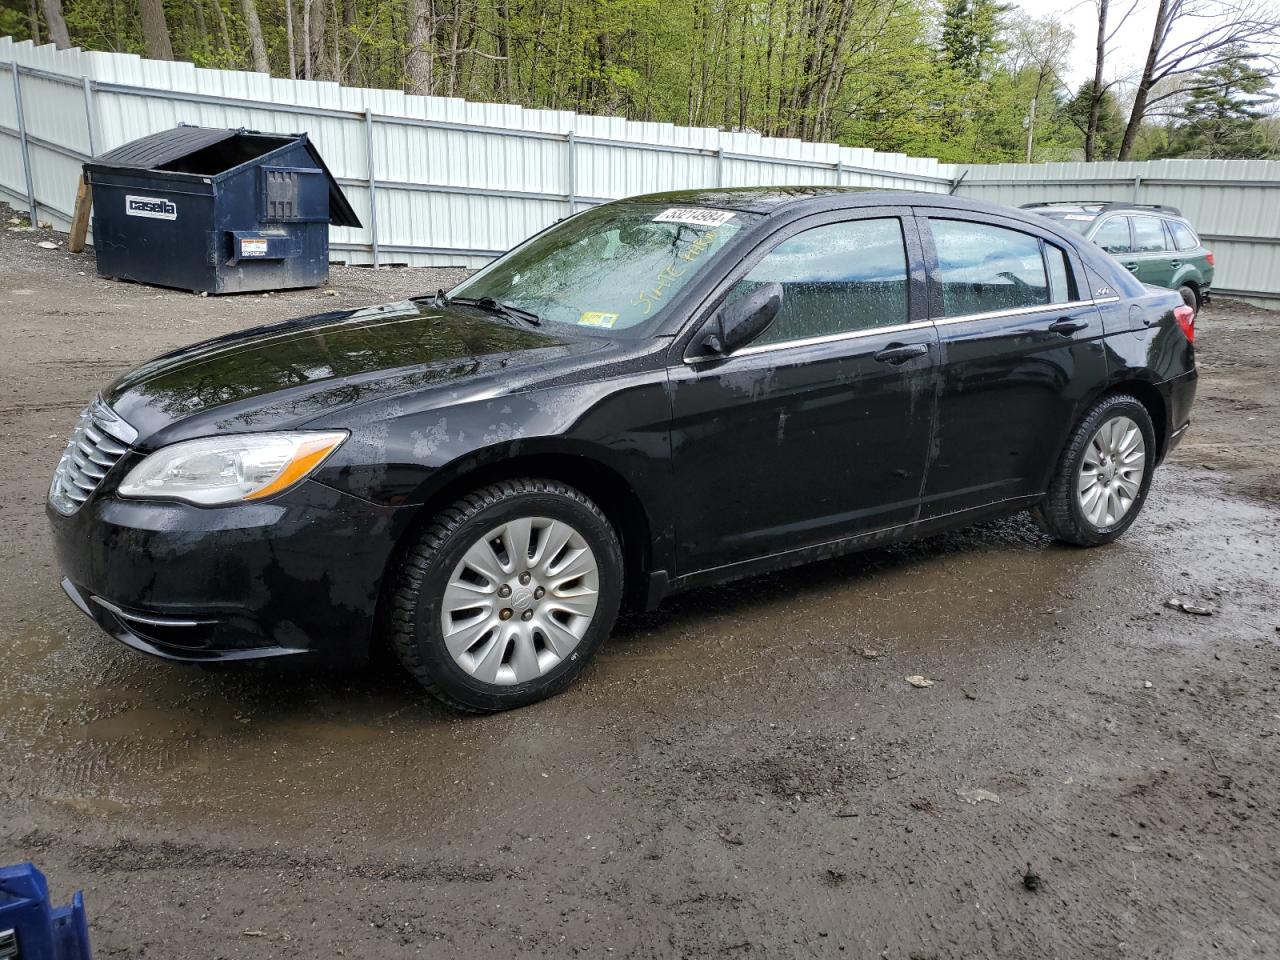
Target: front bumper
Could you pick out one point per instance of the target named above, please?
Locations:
(300, 574)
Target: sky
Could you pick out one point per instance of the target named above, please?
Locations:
(1126, 52)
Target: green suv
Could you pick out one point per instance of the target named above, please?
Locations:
(1153, 241)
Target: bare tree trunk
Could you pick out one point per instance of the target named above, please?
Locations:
(1147, 81)
(33, 15)
(57, 24)
(320, 66)
(223, 33)
(202, 28)
(306, 40)
(288, 33)
(1095, 94)
(347, 68)
(421, 38)
(155, 30)
(504, 68)
(256, 44)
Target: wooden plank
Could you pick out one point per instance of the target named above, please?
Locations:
(80, 216)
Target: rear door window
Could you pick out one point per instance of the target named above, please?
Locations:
(984, 268)
(1113, 235)
(1148, 235)
(1183, 237)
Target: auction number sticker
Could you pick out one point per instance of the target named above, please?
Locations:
(253, 247)
(697, 216)
(594, 318)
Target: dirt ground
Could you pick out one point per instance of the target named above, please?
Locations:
(744, 773)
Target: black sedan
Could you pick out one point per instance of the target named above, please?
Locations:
(653, 394)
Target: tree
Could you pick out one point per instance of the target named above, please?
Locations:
(971, 34)
(1195, 35)
(952, 79)
(290, 47)
(155, 30)
(257, 46)
(1222, 117)
(1100, 89)
(1037, 51)
(418, 64)
(1099, 116)
(57, 24)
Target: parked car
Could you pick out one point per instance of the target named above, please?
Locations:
(654, 394)
(1153, 241)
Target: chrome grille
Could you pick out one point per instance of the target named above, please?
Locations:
(98, 442)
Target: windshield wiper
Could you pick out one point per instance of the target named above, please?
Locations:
(491, 305)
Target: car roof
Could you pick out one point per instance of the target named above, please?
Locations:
(772, 200)
(800, 200)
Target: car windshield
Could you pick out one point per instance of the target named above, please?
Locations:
(611, 269)
(1079, 222)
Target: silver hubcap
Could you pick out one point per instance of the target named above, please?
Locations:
(520, 600)
(1111, 474)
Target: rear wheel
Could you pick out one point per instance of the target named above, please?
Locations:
(1102, 478)
(507, 595)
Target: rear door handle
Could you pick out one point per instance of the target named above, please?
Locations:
(1131, 266)
(898, 353)
(1067, 326)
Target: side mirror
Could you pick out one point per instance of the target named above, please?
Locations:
(736, 324)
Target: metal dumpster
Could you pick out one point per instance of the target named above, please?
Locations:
(33, 929)
(216, 211)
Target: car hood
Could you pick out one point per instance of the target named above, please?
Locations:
(285, 374)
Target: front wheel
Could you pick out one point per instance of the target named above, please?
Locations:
(1102, 478)
(507, 594)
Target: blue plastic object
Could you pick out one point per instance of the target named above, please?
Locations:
(216, 211)
(32, 929)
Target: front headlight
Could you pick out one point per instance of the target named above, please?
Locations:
(230, 469)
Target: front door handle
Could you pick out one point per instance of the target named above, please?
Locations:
(1131, 266)
(1067, 326)
(898, 353)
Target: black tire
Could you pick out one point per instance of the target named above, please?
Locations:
(1060, 513)
(415, 610)
(1190, 298)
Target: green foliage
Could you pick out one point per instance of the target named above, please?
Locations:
(1111, 119)
(1222, 116)
(896, 75)
(14, 22)
(971, 35)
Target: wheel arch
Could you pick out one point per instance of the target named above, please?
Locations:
(1149, 395)
(602, 483)
(1191, 278)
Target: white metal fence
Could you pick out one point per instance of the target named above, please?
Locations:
(441, 181)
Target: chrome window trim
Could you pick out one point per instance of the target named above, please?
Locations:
(831, 338)
(1020, 311)
(900, 327)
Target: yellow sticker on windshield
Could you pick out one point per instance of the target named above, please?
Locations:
(593, 318)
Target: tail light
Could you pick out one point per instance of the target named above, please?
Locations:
(1208, 255)
(1186, 318)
